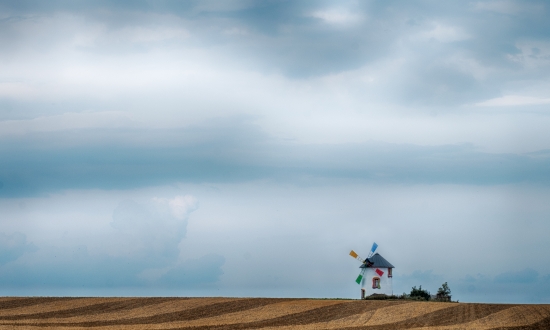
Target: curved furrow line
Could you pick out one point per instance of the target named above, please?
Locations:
(398, 313)
(264, 313)
(261, 313)
(175, 305)
(515, 316)
(385, 314)
(190, 314)
(56, 305)
(317, 315)
(106, 307)
(25, 302)
(543, 324)
(322, 314)
(453, 315)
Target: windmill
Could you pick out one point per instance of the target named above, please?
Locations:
(366, 261)
(377, 270)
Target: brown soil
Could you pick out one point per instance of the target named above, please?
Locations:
(263, 313)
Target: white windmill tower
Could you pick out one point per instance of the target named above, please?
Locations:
(376, 274)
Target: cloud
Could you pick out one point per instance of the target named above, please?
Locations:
(14, 246)
(106, 42)
(238, 152)
(145, 240)
(193, 272)
(513, 100)
(439, 83)
(113, 97)
(508, 7)
(151, 231)
(442, 33)
(70, 268)
(527, 275)
(516, 286)
(180, 206)
(337, 16)
(66, 121)
(77, 268)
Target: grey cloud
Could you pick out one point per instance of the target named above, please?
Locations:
(70, 267)
(77, 268)
(146, 238)
(14, 246)
(519, 286)
(194, 272)
(526, 275)
(280, 37)
(239, 152)
(441, 84)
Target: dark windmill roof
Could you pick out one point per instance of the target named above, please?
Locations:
(377, 262)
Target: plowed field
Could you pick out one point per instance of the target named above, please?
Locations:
(263, 313)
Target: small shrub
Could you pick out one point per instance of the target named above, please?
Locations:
(419, 294)
(443, 293)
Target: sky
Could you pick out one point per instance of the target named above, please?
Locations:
(243, 148)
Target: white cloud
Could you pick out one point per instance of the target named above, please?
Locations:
(67, 121)
(513, 100)
(180, 206)
(442, 33)
(337, 16)
(151, 230)
(533, 55)
(16, 90)
(87, 37)
(174, 87)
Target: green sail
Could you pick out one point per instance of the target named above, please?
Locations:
(359, 278)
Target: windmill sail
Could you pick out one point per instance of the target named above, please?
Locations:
(360, 277)
(366, 262)
(374, 247)
(356, 256)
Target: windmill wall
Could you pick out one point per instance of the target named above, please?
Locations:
(385, 282)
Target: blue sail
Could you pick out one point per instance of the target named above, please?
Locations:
(374, 246)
